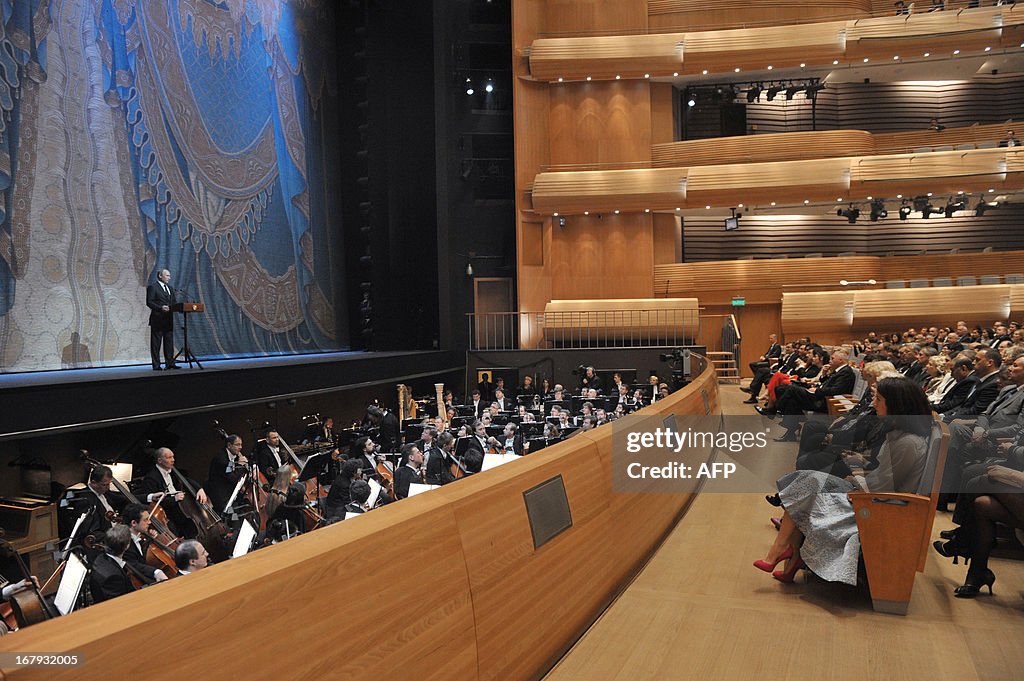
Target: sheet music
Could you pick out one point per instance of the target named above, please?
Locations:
(419, 488)
(74, 532)
(70, 584)
(495, 460)
(246, 533)
(238, 487)
(375, 489)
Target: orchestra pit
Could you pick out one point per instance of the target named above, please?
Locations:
(511, 339)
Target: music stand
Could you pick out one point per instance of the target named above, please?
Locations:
(186, 309)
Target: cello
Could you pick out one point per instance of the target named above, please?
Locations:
(162, 541)
(27, 605)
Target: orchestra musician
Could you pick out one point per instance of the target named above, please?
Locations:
(359, 492)
(438, 464)
(190, 556)
(108, 578)
(510, 442)
(226, 469)
(409, 472)
(160, 480)
(271, 454)
(136, 516)
(341, 491)
(390, 430)
(105, 503)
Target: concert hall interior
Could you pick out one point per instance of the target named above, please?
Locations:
(500, 337)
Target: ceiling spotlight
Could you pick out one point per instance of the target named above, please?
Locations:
(878, 210)
(851, 214)
(954, 206)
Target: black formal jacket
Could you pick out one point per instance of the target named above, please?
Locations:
(266, 462)
(220, 484)
(404, 476)
(155, 300)
(107, 579)
(956, 395)
(983, 394)
(138, 560)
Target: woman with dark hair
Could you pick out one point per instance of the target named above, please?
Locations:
(818, 528)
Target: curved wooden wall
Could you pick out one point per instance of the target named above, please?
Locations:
(765, 281)
(857, 312)
(806, 145)
(792, 146)
(817, 44)
(787, 182)
(444, 586)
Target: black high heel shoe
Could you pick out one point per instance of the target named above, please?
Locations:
(972, 586)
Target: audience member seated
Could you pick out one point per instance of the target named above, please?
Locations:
(818, 527)
(793, 398)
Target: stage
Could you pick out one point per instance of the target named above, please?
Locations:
(50, 402)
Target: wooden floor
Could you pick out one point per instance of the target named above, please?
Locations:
(700, 610)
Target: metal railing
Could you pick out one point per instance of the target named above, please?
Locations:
(583, 329)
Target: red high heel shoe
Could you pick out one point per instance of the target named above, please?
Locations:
(789, 574)
(768, 567)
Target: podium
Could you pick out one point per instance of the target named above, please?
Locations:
(186, 309)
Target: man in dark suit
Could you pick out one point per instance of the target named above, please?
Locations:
(409, 472)
(159, 299)
(271, 454)
(226, 469)
(108, 578)
(137, 518)
(773, 352)
(103, 502)
(963, 374)
(160, 479)
(986, 369)
(793, 399)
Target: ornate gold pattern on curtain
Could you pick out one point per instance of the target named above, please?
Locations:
(271, 302)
